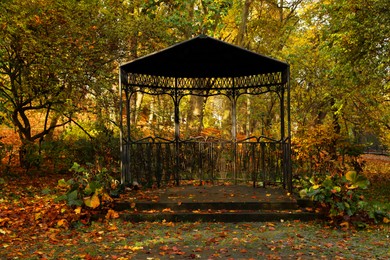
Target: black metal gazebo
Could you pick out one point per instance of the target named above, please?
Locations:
(205, 66)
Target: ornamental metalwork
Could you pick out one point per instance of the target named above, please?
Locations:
(158, 160)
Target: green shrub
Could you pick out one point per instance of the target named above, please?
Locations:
(30, 156)
(89, 187)
(338, 194)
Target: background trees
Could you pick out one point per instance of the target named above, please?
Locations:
(342, 67)
(59, 60)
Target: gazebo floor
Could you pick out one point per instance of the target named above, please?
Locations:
(213, 203)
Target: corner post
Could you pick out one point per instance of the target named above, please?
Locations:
(234, 131)
(124, 138)
(176, 100)
(289, 164)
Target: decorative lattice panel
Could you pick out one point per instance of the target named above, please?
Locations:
(156, 85)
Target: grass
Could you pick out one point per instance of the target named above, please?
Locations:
(377, 170)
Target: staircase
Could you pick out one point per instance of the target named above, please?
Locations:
(214, 204)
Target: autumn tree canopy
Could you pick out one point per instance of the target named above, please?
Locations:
(59, 60)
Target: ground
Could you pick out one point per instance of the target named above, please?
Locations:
(34, 226)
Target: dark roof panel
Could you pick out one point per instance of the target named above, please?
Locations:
(204, 56)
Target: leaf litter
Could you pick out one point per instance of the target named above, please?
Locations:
(33, 226)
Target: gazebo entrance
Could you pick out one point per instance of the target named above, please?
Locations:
(206, 67)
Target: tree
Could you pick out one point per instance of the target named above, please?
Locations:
(341, 59)
(53, 56)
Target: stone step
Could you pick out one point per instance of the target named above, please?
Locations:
(208, 216)
(213, 204)
(280, 205)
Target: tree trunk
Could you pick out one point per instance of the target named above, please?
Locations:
(244, 20)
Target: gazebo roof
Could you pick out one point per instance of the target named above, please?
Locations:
(204, 57)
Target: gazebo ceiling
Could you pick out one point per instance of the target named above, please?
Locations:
(204, 57)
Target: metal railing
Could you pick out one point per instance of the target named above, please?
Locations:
(260, 160)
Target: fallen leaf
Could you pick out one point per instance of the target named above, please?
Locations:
(345, 224)
(53, 237)
(164, 248)
(4, 231)
(92, 202)
(112, 214)
(38, 216)
(329, 245)
(62, 223)
(167, 210)
(77, 210)
(223, 234)
(112, 228)
(133, 248)
(106, 197)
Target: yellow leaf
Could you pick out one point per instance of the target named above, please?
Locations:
(112, 228)
(315, 186)
(133, 248)
(3, 232)
(77, 210)
(62, 223)
(386, 220)
(38, 215)
(92, 202)
(351, 175)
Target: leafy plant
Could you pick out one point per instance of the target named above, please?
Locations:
(338, 194)
(88, 187)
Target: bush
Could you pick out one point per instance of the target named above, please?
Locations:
(338, 194)
(341, 198)
(89, 187)
(101, 146)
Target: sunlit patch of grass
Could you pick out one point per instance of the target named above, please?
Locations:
(377, 170)
(377, 167)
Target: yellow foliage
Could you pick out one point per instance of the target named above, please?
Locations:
(92, 202)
